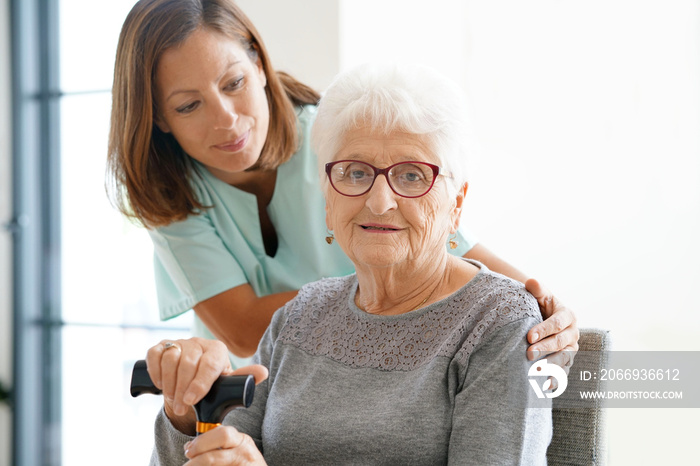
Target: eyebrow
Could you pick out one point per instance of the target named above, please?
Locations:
(227, 68)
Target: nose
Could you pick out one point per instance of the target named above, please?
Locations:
(381, 199)
(225, 115)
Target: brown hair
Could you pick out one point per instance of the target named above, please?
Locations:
(148, 173)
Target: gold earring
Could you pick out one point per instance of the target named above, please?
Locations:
(330, 237)
(453, 242)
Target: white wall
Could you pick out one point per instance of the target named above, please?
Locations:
(5, 238)
(301, 37)
(428, 32)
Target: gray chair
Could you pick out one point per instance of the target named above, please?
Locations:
(579, 433)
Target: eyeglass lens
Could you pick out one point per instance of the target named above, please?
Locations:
(409, 179)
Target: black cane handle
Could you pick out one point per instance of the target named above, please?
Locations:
(227, 392)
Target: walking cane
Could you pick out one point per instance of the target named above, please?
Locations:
(227, 392)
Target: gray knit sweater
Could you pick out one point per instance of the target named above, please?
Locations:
(445, 384)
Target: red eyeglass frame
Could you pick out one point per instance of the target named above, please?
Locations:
(383, 171)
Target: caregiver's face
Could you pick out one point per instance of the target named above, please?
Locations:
(381, 228)
(211, 96)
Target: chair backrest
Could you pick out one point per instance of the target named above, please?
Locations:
(578, 436)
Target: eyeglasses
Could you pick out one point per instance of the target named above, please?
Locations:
(407, 179)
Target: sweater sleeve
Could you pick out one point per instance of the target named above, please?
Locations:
(250, 420)
(494, 421)
(170, 442)
(169, 449)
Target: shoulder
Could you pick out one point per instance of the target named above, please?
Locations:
(498, 296)
(303, 157)
(494, 302)
(510, 298)
(306, 115)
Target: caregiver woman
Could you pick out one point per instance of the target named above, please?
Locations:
(208, 149)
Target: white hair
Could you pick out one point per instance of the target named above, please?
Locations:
(396, 97)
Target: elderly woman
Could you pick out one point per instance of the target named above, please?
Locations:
(416, 358)
(209, 149)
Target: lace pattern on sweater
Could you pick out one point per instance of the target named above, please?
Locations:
(322, 322)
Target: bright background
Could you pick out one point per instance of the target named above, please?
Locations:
(588, 177)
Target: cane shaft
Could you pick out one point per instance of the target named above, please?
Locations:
(203, 427)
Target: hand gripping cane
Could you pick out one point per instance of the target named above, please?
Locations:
(227, 392)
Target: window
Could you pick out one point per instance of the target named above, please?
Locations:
(87, 309)
(109, 309)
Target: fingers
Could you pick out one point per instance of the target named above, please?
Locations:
(557, 317)
(564, 340)
(186, 369)
(258, 371)
(198, 370)
(169, 368)
(155, 356)
(536, 289)
(561, 319)
(563, 359)
(153, 364)
(546, 300)
(222, 445)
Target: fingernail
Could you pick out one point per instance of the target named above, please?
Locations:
(535, 354)
(187, 447)
(535, 337)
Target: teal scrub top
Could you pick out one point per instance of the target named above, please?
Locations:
(222, 247)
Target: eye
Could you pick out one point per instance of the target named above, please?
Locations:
(357, 174)
(184, 109)
(409, 174)
(358, 171)
(235, 84)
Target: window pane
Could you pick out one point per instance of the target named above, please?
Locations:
(102, 423)
(107, 261)
(88, 34)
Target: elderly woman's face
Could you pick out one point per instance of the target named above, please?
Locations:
(381, 228)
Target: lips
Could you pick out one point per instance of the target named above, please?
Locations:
(379, 228)
(235, 145)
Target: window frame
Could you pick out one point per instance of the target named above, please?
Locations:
(36, 233)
